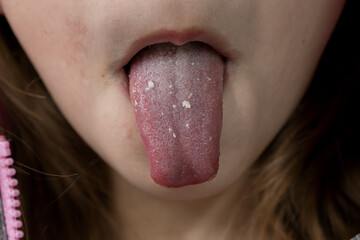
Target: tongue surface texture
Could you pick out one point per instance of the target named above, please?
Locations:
(176, 92)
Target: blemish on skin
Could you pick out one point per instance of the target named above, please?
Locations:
(127, 130)
(162, 114)
(170, 129)
(136, 103)
(174, 135)
(170, 86)
(186, 104)
(76, 42)
(187, 125)
(208, 78)
(193, 63)
(174, 106)
(198, 79)
(151, 85)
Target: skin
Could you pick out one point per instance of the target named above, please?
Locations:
(274, 47)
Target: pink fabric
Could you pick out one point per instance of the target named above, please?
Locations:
(9, 193)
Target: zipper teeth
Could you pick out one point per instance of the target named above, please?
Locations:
(9, 193)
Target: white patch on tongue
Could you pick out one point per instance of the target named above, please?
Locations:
(176, 92)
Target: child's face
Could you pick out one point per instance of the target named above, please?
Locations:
(80, 48)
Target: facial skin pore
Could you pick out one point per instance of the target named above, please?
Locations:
(79, 48)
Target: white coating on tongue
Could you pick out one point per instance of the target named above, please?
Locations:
(176, 92)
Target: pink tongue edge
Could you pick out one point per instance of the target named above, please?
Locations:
(176, 92)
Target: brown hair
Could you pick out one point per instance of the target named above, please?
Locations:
(306, 185)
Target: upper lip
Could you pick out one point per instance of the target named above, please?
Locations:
(211, 38)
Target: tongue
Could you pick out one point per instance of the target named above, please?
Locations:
(176, 92)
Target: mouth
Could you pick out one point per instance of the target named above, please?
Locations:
(178, 112)
(178, 38)
(176, 92)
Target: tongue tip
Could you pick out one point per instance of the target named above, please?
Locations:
(180, 183)
(184, 178)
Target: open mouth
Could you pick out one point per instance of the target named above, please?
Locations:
(127, 66)
(211, 38)
(176, 92)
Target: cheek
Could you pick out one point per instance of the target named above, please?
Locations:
(65, 52)
(48, 26)
(266, 85)
(54, 40)
(75, 42)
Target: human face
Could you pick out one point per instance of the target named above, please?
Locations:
(80, 49)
